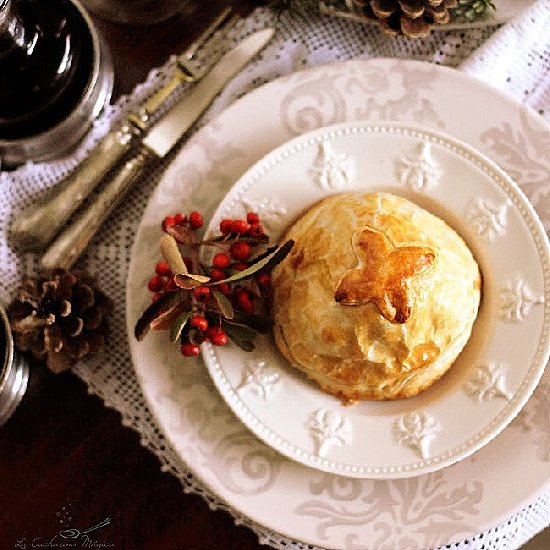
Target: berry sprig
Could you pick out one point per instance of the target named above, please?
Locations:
(226, 299)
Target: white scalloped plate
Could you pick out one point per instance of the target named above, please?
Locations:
(501, 364)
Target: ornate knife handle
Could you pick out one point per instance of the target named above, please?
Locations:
(72, 241)
(37, 225)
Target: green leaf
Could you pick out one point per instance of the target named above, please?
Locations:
(171, 253)
(280, 254)
(178, 325)
(233, 237)
(184, 235)
(472, 9)
(188, 281)
(156, 309)
(164, 320)
(226, 308)
(266, 262)
(240, 334)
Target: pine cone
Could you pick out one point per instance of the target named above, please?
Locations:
(60, 317)
(413, 18)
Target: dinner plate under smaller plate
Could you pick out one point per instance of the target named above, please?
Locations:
(503, 360)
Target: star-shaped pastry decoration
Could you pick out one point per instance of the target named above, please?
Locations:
(383, 274)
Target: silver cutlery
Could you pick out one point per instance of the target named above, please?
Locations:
(159, 140)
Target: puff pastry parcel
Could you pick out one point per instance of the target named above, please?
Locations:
(377, 297)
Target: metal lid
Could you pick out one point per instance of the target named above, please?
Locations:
(59, 139)
(14, 371)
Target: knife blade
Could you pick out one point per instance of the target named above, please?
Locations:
(161, 138)
(36, 226)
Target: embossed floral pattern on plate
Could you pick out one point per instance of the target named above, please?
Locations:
(417, 170)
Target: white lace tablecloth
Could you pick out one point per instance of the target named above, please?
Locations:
(514, 58)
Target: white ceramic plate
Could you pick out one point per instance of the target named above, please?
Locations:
(261, 486)
(493, 377)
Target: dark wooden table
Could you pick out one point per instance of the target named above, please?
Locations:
(65, 459)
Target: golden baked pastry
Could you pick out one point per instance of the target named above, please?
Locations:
(377, 297)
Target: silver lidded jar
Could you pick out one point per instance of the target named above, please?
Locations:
(14, 371)
(57, 77)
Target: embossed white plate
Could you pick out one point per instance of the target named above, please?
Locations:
(266, 491)
(505, 357)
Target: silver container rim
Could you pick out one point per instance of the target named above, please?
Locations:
(8, 358)
(14, 373)
(78, 121)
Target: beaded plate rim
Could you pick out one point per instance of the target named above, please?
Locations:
(532, 374)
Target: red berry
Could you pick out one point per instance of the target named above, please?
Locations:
(239, 266)
(156, 283)
(170, 284)
(219, 338)
(195, 219)
(180, 218)
(252, 218)
(263, 279)
(190, 350)
(210, 332)
(162, 268)
(239, 226)
(217, 274)
(201, 293)
(245, 301)
(221, 260)
(225, 226)
(224, 288)
(198, 321)
(255, 230)
(240, 250)
(168, 220)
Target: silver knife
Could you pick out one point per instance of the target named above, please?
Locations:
(161, 138)
(36, 226)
